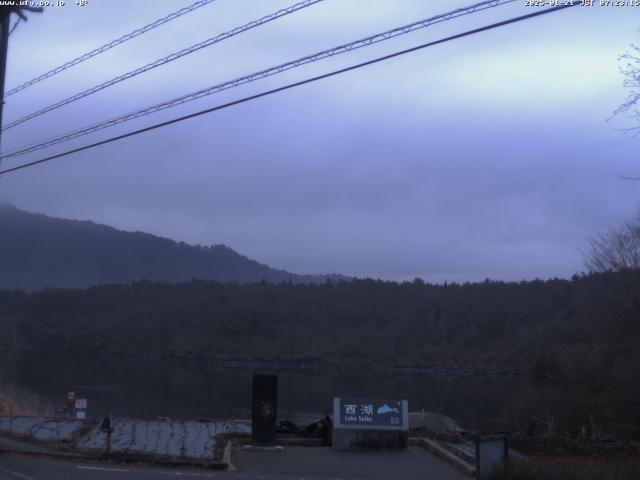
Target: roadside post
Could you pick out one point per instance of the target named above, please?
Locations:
(71, 402)
(492, 452)
(368, 424)
(107, 427)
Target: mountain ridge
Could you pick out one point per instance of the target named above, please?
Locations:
(38, 251)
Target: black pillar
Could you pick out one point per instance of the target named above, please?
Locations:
(264, 410)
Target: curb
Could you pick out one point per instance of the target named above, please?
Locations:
(439, 451)
(118, 459)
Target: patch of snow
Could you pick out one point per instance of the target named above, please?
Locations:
(433, 421)
(187, 439)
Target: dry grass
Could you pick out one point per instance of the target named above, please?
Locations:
(572, 468)
(19, 401)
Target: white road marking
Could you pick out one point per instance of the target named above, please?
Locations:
(160, 472)
(185, 474)
(82, 467)
(19, 476)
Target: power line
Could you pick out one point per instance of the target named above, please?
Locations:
(110, 45)
(363, 42)
(291, 85)
(5, 18)
(169, 58)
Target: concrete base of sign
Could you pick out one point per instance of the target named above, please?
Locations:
(263, 448)
(369, 439)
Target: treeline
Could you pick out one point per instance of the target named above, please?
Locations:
(488, 324)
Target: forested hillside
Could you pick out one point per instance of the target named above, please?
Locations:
(483, 324)
(578, 337)
(37, 251)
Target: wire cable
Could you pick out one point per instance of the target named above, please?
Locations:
(291, 85)
(110, 45)
(169, 58)
(363, 42)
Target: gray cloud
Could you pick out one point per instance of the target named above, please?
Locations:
(487, 157)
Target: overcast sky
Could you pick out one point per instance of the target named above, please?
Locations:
(489, 156)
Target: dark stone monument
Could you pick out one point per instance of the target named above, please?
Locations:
(370, 424)
(264, 410)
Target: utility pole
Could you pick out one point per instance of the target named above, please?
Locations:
(5, 25)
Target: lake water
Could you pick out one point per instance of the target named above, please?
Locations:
(148, 389)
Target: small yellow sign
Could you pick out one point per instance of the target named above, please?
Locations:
(71, 396)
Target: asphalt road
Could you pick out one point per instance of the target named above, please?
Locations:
(296, 463)
(18, 446)
(23, 468)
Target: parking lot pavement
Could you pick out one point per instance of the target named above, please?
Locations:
(312, 462)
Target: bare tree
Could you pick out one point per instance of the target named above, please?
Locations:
(617, 253)
(630, 69)
(616, 250)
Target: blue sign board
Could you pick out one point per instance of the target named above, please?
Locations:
(381, 413)
(370, 413)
